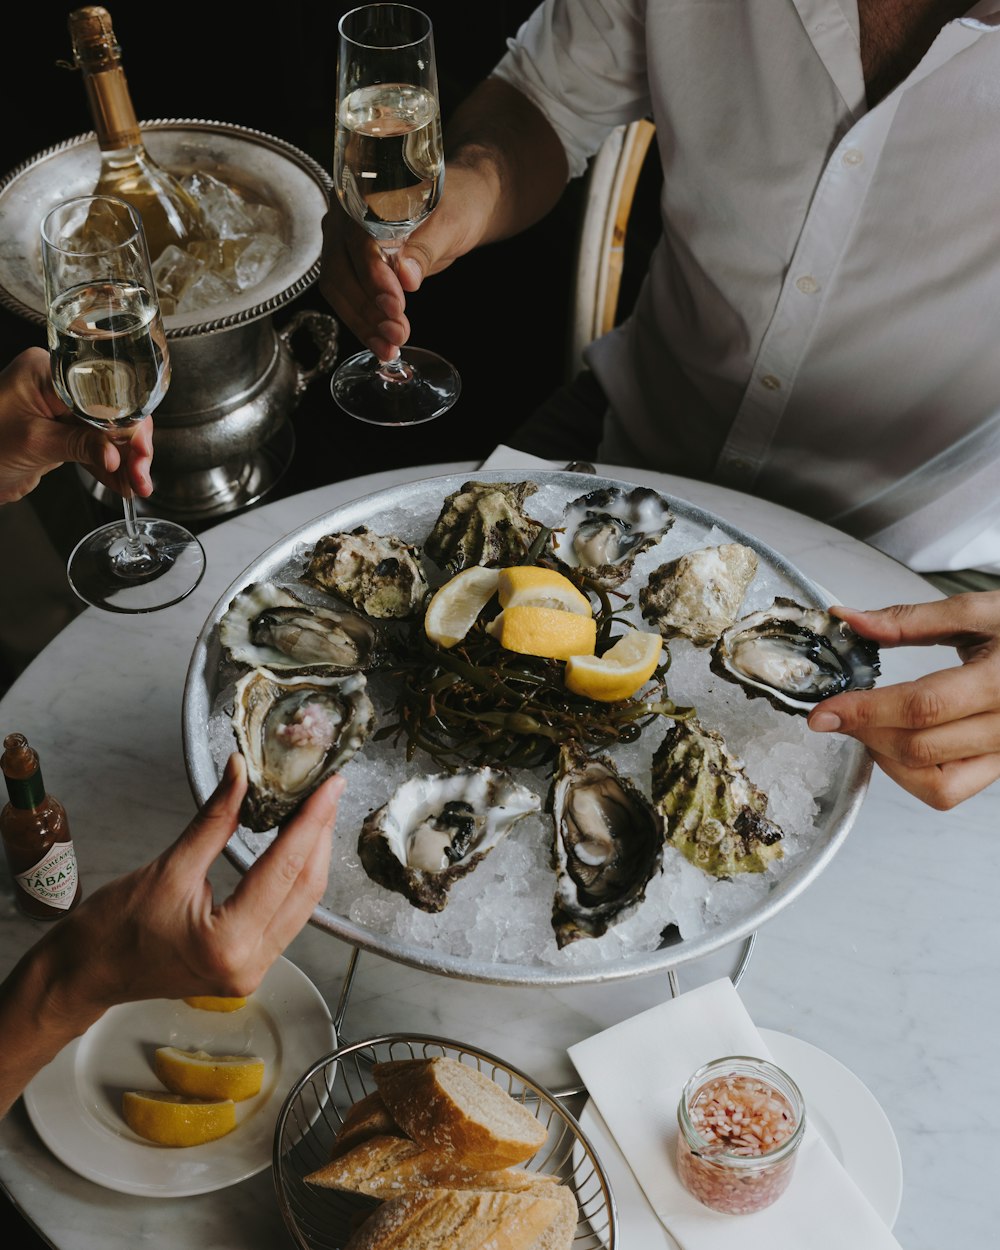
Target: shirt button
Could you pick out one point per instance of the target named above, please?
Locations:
(853, 156)
(771, 382)
(807, 284)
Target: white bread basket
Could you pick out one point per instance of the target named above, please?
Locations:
(313, 1111)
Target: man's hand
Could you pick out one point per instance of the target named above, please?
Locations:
(38, 433)
(938, 736)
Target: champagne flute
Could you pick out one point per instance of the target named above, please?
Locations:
(110, 365)
(389, 170)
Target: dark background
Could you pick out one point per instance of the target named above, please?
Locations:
(500, 314)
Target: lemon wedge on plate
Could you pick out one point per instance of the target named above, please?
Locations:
(201, 1075)
(173, 1120)
(617, 674)
(454, 607)
(549, 632)
(543, 588)
(214, 1002)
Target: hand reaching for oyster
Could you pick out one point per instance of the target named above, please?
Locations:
(939, 736)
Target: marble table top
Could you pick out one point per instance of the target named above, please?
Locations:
(885, 962)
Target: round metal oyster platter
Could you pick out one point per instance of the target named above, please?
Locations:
(496, 926)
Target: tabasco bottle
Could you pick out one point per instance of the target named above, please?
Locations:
(36, 836)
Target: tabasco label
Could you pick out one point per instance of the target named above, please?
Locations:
(53, 879)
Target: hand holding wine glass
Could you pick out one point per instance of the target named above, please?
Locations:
(388, 172)
(111, 367)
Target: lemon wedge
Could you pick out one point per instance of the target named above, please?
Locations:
(549, 632)
(172, 1120)
(201, 1075)
(617, 674)
(543, 588)
(214, 1002)
(454, 607)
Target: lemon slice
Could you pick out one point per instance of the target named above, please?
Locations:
(214, 1002)
(201, 1075)
(454, 607)
(544, 588)
(619, 672)
(172, 1120)
(548, 632)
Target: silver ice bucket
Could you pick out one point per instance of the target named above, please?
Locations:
(223, 433)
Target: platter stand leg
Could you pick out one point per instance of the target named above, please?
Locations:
(569, 1092)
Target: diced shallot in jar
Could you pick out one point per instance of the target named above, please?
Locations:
(741, 1121)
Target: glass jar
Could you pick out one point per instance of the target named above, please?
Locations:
(741, 1122)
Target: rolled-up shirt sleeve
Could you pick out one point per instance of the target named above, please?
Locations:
(583, 64)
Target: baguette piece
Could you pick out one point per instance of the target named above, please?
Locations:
(446, 1105)
(368, 1117)
(384, 1167)
(450, 1219)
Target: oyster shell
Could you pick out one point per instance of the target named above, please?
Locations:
(378, 574)
(714, 814)
(436, 828)
(794, 656)
(266, 626)
(294, 731)
(607, 845)
(603, 531)
(483, 523)
(699, 594)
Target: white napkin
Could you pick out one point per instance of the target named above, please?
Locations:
(504, 457)
(635, 1072)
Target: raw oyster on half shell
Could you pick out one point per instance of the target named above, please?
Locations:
(378, 574)
(603, 531)
(714, 814)
(607, 845)
(700, 593)
(294, 731)
(266, 626)
(794, 656)
(483, 523)
(436, 828)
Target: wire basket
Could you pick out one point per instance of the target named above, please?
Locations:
(309, 1120)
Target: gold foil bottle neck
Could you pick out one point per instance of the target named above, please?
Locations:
(93, 39)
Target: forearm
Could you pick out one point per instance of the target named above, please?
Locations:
(501, 136)
(38, 1017)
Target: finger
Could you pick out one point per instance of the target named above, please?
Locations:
(193, 853)
(948, 621)
(943, 786)
(952, 694)
(944, 744)
(286, 873)
(140, 456)
(297, 908)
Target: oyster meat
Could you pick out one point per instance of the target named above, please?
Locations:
(794, 656)
(699, 594)
(379, 574)
(436, 828)
(714, 814)
(266, 626)
(607, 845)
(603, 531)
(483, 523)
(294, 731)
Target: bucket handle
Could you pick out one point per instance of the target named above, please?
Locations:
(324, 331)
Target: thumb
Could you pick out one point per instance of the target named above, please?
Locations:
(216, 821)
(410, 273)
(87, 447)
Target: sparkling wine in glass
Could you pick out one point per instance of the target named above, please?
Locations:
(388, 169)
(111, 366)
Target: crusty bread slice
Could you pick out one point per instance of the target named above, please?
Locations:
(451, 1219)
(387, 1166)
(449, 1106)
(368, 1117)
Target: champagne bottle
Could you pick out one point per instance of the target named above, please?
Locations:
(169, 214)
(36, 836)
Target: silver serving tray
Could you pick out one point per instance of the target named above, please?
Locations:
(409, 511)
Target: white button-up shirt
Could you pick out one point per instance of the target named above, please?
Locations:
(820, 323)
